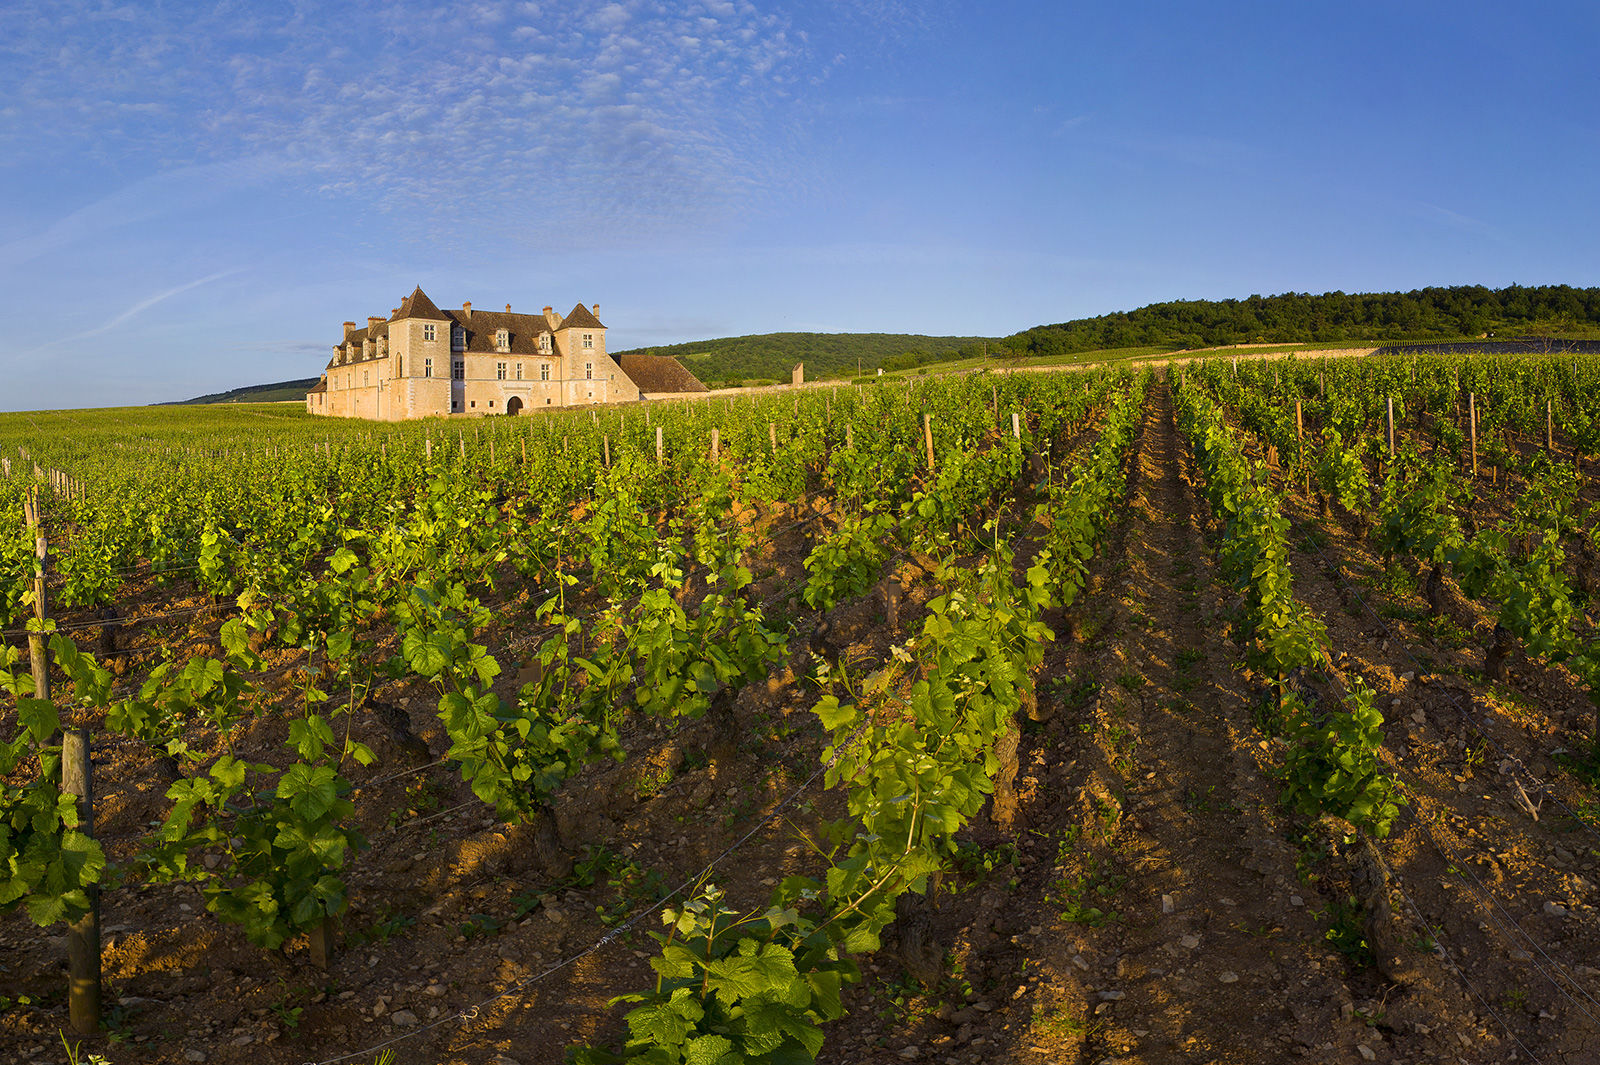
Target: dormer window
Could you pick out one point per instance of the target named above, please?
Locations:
(458, 338)
(544, 342)
(502, 340)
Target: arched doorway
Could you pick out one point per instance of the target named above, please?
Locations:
(514, 405)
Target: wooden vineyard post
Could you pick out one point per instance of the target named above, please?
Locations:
(772, 436)
(994, 399)
(524, 443)
(1391, 428)
(1300, 435)
(1472, 428)
(605, 443)
(427, 447)
(849, 436)
(716, 445)
(83, 935)
(658, 445)
(1549, 428)
(320, 942)
(491, 451)
(927, 436)
(462, 440)
(41, 609)
(1016, 426)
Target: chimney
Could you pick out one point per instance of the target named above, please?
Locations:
(508, 308)
(349, 327)
(394, 312)
(466, 308)
(372, 323)
(597, 310)
(547, 311)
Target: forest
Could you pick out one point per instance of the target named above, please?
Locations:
(1460, 311)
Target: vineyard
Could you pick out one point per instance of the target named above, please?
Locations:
(1240, 712)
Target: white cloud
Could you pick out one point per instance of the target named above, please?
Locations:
(144, 305)
(627, 114)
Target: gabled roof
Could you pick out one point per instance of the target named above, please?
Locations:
(580, 317)
(418, 305)
(659, 373)
(320, 386)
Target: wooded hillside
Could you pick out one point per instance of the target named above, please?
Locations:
(1298, 317)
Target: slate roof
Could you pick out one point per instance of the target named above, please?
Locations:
(320, 386)
(659, 373)
(481, 327)
(580, 318)
(418, 305)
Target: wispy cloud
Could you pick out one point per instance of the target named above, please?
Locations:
(154, 197)
(546, 118)
(144, 305)
(1453, 219)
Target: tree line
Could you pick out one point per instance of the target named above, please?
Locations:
(1461, 311)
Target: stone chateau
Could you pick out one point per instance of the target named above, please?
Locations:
(422, 362)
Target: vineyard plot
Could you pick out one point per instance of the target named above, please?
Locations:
(533, 598)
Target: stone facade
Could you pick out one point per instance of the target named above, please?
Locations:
(422, 362)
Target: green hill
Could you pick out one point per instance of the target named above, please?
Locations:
(283, 390)
(771, 356)
(1459, 312)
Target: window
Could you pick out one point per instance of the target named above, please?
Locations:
(430, 332)
(474, 404)
(544, 371)
(399, 366)
(364, 381)
(588, 371)
(499, 371)
(427, 367)
(588, 340)
(455, 404)
(458, 338)
(502, 340)
(544, 341)
(519, 371)
(491, 403)
(458, 369)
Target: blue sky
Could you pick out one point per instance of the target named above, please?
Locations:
(194, 196)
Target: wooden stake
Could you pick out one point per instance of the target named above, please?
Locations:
(605, 442)
(772, 435)
(716, 445)
(927, 435)
(320, 942)
(83, 935)
(1549, 428)
(1016, 425)
(849, 435)
(658, 445)
(41, 608)
(1391, 427)
(1472, 422)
